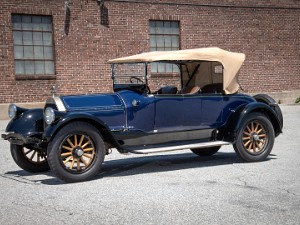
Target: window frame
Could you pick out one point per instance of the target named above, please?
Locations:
(162, 31)
(45, 27)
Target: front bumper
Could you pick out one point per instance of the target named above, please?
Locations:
(19, 139)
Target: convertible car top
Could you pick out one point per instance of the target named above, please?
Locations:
(230, 61)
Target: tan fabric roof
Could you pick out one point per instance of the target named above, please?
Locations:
(231, 61)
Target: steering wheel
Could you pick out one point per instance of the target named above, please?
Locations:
(138, 80)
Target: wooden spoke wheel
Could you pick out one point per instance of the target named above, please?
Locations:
(76, 152)
(34, 156)
(255, 138)
(28, 159)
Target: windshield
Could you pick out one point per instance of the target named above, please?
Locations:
(132, 73)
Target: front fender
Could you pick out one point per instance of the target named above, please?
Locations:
(237, 116)
(28, 123)
(108, 136)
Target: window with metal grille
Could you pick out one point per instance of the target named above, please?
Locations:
(164, 36)
(33, 45)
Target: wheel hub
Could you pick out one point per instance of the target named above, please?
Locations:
(78, 152)
(254, 137)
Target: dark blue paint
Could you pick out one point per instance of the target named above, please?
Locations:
(141, 116)
(97, 101)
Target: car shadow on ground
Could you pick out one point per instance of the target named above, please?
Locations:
(146, 164)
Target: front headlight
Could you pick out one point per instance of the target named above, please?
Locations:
(49, 115)
(12, 111)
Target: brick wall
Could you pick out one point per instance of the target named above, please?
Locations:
(266, 31)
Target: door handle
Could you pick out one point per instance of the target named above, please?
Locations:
(135, 103)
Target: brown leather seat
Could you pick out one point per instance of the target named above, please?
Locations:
(167, 90)
(189, 90)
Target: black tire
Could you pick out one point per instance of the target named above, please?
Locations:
(28, 159)
(255, 138)
(76, 152)
(206, 151)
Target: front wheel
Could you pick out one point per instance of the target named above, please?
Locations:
(206, 151)
(31, 160)
(76, 152)
(255, 138)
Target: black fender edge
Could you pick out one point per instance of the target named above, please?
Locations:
(237, 116)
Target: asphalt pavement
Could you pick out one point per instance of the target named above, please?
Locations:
(169, 188)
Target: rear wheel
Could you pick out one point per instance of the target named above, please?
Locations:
(76, 152)
(206, 151)
(29, 159)
(255, 138)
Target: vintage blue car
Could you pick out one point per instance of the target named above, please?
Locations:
(72, 134)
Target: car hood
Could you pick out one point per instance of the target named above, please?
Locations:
(86, 102)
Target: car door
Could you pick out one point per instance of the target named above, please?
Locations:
(187, 117)
(169, 113)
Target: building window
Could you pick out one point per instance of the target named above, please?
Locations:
(33, 45)
(164, 36)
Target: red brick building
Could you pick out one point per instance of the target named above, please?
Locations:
(45, 43)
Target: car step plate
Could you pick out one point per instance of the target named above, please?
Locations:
(146, 150)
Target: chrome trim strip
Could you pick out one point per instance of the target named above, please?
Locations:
(180, 147)
(58, 102)
(60, 105)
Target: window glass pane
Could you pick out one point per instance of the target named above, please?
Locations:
(174, 27)
(37, 23)
(29, 67)
(28, 52)
(152, 41)
(48, 53)
(47, 38)
(18, 52)
(159, 27)
(160, 41)
(154, 67)
(18, 37)
(46, 20)
(168, 41)
(167, 27)
(17, 22)
(20, 67)
(161, 67)
(37, 38)
(27, 38)
(175, 42)
(152, 27)
(38, 52)
(176, 69)
(47, 23)
(39, 67)
(49, 67)
(169, 68)
(26, 22)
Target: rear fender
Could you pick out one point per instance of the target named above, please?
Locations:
(108, 136)
(237, 116)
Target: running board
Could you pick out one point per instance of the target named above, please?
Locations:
(146, 150)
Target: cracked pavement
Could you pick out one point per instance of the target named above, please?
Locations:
(170, 188)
